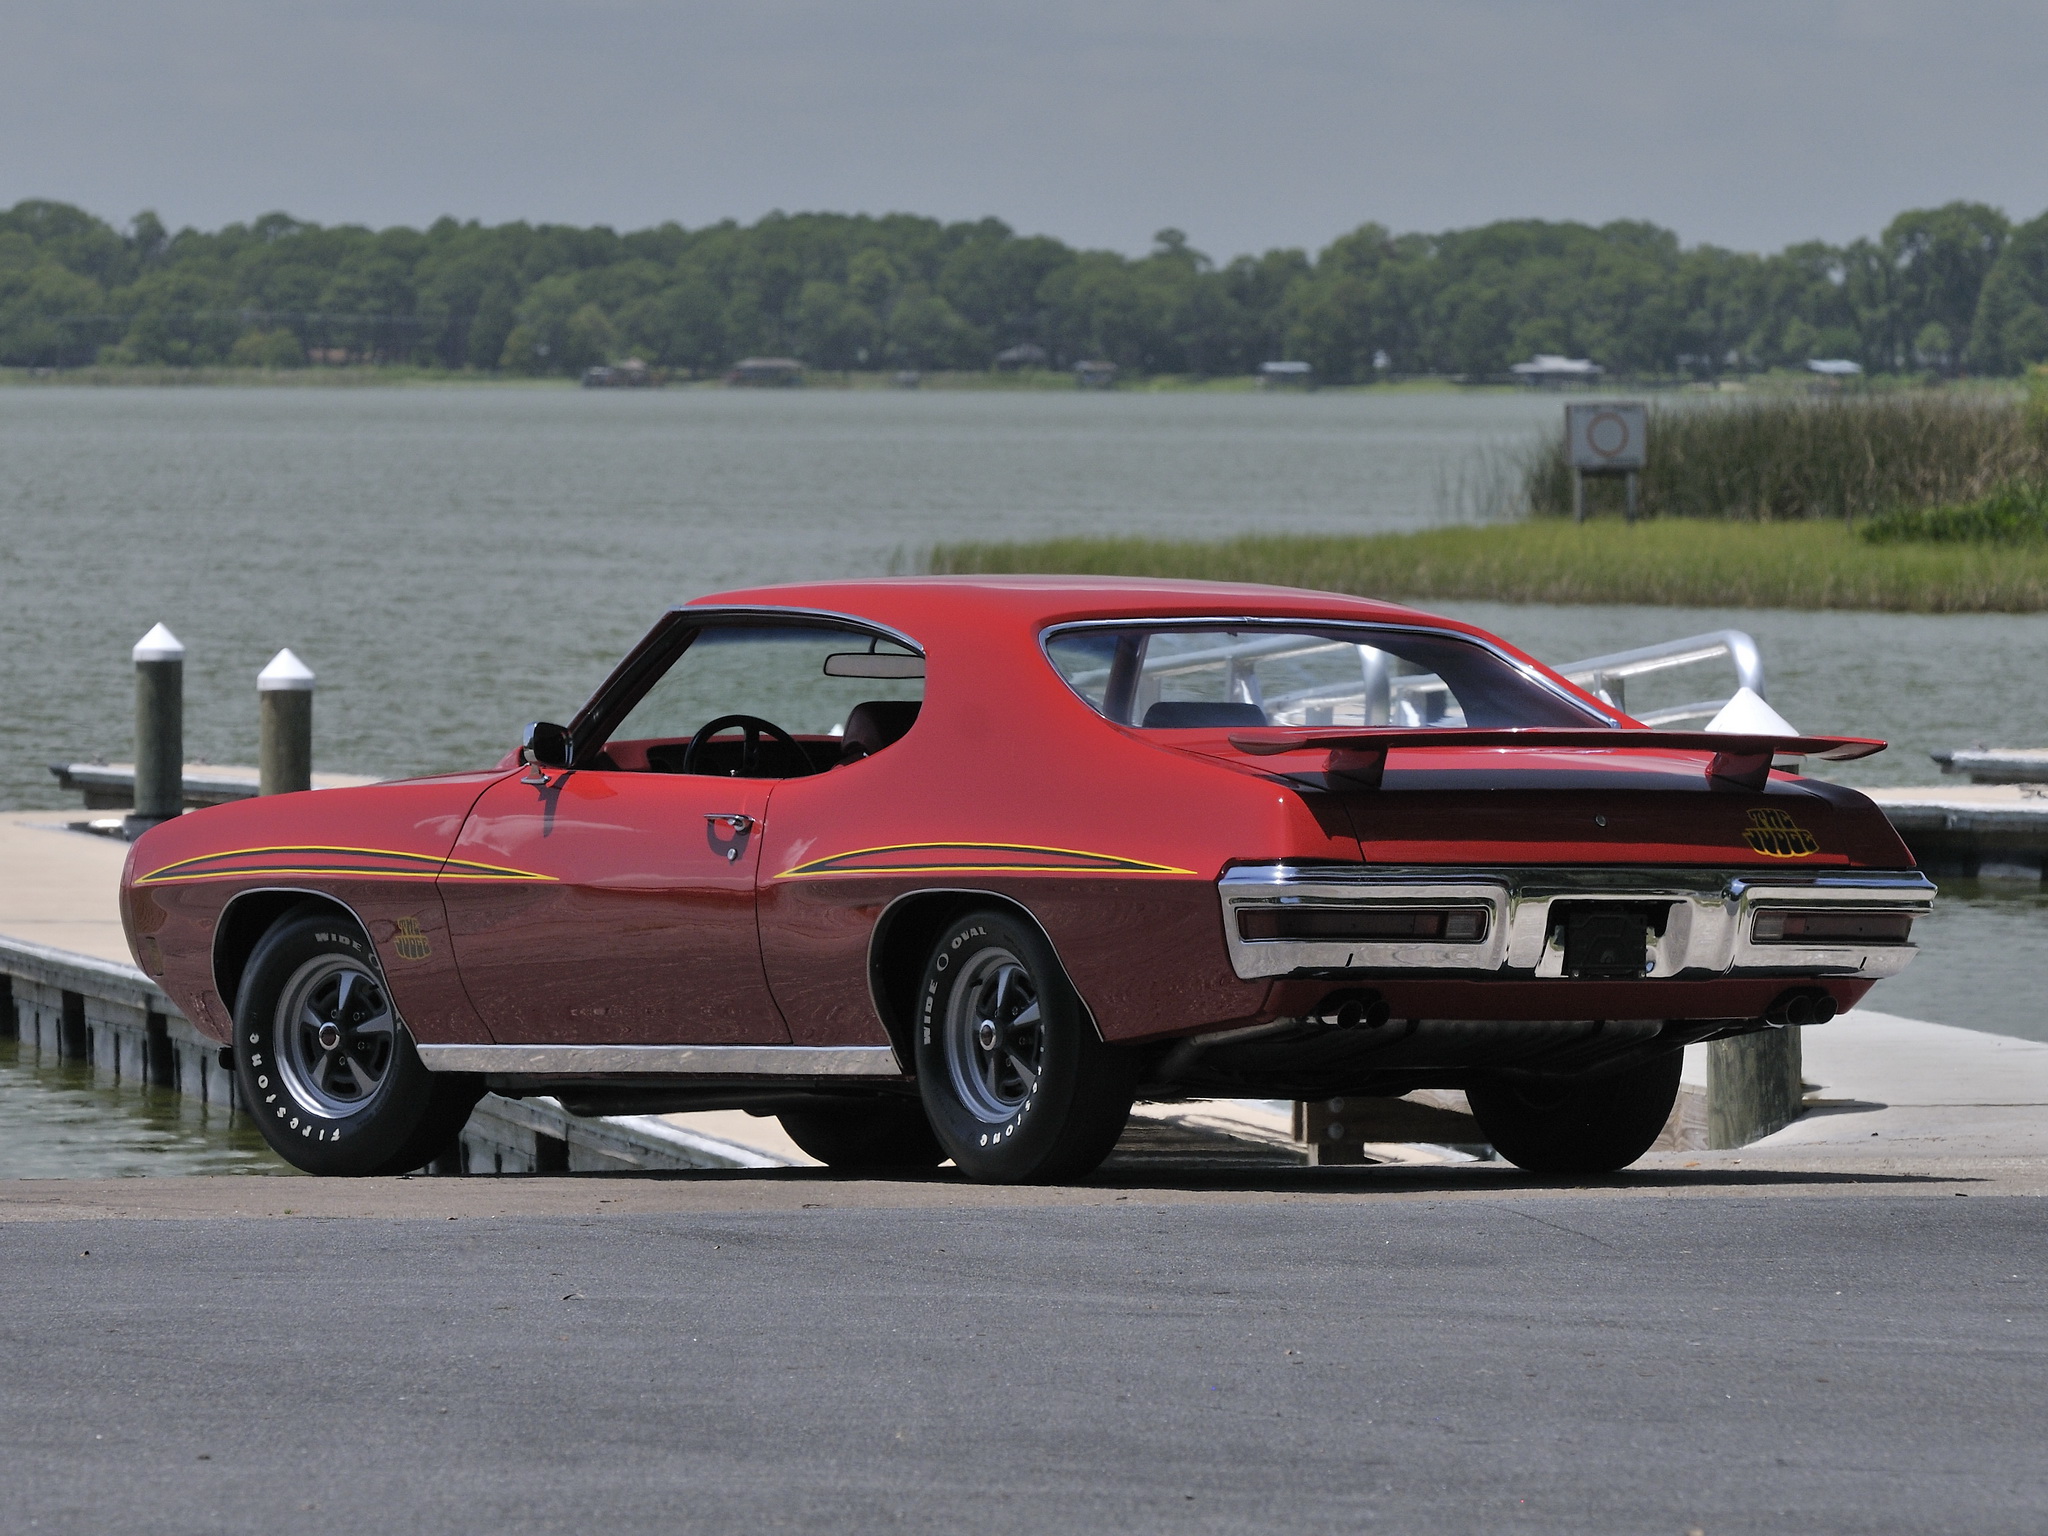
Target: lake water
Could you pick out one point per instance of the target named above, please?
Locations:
(456, 561)
(59, 1120)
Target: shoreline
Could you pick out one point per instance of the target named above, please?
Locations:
(366, 376)
(1689, 563)
(403, 375)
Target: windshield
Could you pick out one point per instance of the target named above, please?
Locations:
(1168, 676)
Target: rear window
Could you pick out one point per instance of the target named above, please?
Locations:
(1168, 677)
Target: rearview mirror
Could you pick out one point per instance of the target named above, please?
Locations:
(547, 745)
(875, 664)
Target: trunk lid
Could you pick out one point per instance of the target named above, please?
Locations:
(1643, 810)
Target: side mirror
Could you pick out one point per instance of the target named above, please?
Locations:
(547, 745)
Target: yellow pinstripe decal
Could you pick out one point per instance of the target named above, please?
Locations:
(425, 866)
(1095, 863)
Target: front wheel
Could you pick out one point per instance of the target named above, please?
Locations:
(871, 1137)
(325, 1066)
(1578, 1126)
(1018, 1086)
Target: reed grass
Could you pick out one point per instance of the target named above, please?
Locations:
(1779, 459)
(2012, 514)
(1680, 562)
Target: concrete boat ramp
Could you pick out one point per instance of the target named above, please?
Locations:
(1840, 1327)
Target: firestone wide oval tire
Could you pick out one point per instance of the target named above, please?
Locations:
(1018, 1087)
(324, 1065)
(1596, 1126)
(883, 1135)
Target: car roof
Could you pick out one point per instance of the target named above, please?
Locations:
(1038, 601)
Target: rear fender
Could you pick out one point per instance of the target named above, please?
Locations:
(903, 937)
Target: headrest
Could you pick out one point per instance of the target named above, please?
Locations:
(1179, 715)
(876, 724)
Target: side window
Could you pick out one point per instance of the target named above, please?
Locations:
(831, 695)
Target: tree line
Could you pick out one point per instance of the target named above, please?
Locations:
(1951, 290)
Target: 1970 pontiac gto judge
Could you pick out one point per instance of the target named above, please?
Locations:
(957, 868)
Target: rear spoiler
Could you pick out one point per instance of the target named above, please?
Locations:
(1738, 758)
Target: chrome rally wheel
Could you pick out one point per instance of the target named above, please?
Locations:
(1018, 1085)
(995, 1036)
(336, 1036)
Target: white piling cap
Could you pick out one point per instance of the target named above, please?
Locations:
(1746, 714)
(159, 645)
(285, 674)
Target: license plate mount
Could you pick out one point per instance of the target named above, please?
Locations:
(1608, 943)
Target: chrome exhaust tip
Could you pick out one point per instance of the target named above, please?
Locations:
(1355, 1010)
(1799, 1007)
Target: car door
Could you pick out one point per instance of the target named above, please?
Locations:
(610, 907)
(614, 903)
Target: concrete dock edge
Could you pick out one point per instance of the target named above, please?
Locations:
(71, 1007)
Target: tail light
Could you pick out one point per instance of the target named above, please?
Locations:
(1831, 926)
(1365, 925)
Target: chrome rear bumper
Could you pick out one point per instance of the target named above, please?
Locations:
(1707, 925)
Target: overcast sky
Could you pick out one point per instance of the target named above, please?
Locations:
(1749, 123)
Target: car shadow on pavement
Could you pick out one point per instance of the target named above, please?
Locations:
(1463, 1179)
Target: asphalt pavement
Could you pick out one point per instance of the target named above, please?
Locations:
(786, 1352)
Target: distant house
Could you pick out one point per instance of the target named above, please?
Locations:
(1024, 355)
(1284, 375)
(766, 372)
(1548, 368)
(631, 374)
(1095, 374)
(1833, 367)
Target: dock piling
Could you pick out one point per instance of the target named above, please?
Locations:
(284, 693)
(74, 1037)
(159, 731)
(1754, 1086)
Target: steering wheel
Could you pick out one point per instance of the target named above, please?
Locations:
(750, 751)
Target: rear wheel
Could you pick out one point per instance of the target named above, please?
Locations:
(890, 1133)
(1018, 1087)
(1579, 1125)
(325, 1066)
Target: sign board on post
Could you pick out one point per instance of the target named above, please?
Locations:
(1607, 436)
(1608, 439)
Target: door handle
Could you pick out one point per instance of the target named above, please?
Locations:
(741, 825)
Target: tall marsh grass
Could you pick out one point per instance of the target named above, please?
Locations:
(2012, 514)
(1691, 563)
(1780, 459)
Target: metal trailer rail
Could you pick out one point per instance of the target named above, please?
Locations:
(1381, 690)
(1606, 677)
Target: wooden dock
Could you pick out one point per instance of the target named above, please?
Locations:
(111, 786)
(1986, 830)
(1996, 765)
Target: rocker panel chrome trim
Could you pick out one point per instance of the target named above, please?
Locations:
(1707, 934)
(708, 1060)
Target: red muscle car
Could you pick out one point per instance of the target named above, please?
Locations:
(959, 868)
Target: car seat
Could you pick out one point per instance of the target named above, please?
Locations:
(876, 724)
(1191, 715)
